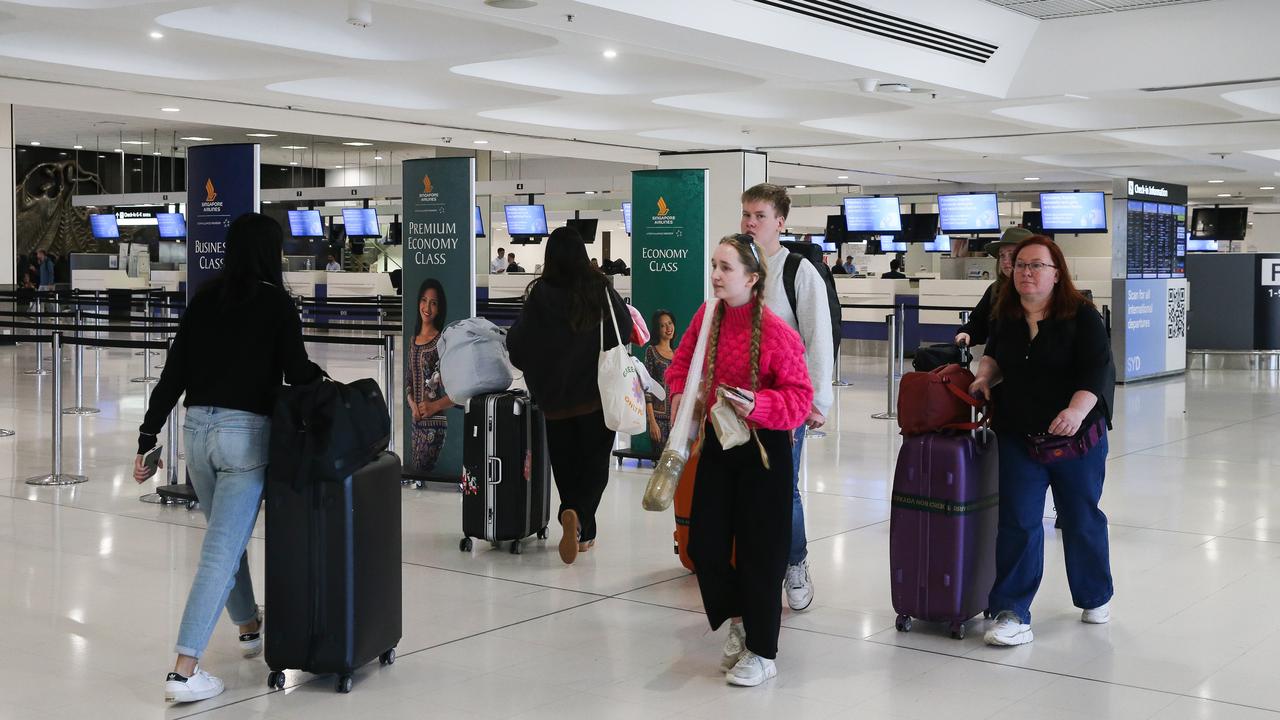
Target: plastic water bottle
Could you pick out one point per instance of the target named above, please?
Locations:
(661, 490)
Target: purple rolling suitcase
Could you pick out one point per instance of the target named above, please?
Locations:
(942, 528)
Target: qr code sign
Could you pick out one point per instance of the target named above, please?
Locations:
(1177, 313)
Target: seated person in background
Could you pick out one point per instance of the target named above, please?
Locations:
(512, 265)
(499, 264)
(848, 266)
(895, 269)
(332, 265)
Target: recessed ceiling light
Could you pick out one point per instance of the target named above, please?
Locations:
(591, 192)
(260, 135)
(356, 143)
(480, 142)
(292, 162)
(63, 154)
(337, 167)
(801, 187)
(170, 109)
(156, 34)
(195, 138)
(293, 147)
(77, 147)
(119, 150)
(1031, 179)
(377, 157)
(134, 142)
(266, 202)
(1224, 194)
(842, 177)
(1216, 182)
(1267, 187)
(610, 54)
(34, 142)
(506, 152)
(157, 153)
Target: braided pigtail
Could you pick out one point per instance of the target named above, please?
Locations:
(713, 342)
(757, 327)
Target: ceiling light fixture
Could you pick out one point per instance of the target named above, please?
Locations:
(801, 187)
(35, 143)
(293, 162)
(480, 142)
(134, 142)
(119, 150)
(157, 153)
(1224, 194)
(1216, 182)
(610, 54)
(591, 192)
(260, 135)
(1267, 187)
(156, 34)
(506, 152)
(293, 147)
(377, 157)
(77, 147)
(195, 138)
(337, 167)
(510, 4)
(1030, 179)
(170, 109)
(356, 143)
(842, 177)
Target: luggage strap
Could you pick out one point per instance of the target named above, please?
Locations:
(905, 501)
(972, 402)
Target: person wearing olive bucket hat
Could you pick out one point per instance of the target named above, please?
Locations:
(975, 331)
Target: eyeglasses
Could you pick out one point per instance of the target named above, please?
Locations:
(1034, 267)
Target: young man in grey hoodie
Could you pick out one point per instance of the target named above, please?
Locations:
(764, 214)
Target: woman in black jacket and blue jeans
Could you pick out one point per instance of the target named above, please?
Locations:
(557, 342)
(239, 336)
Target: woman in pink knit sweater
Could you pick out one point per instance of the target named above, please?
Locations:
(741, 504)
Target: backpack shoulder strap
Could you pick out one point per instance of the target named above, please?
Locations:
(789, 269)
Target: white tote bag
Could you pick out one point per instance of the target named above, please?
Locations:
(621, 391)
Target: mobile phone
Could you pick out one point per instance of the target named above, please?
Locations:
(736, 395)
(151, 460)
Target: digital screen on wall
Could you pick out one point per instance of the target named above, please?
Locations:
(970, 213)
(1219, 223)
(940, 244)
(104, 226)
(171, 225)
(361, 222)
(1202, 246)
(626, 217)
(872, 215)
(526, 220)
(1073, 212)
(919, 227)
(305, 224)
(479, 223)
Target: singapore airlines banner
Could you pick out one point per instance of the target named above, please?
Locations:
(222, 185)
(669, 258)
(439, 287)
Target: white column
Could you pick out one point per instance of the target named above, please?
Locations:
(730, 172)
(8, 225)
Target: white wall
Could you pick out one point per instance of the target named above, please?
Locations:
(8, 229)
(1264, 233)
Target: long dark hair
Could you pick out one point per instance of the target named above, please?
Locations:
(255, 244)
(653, 326)
(567, 267)
(1064, 301)
(438, 321)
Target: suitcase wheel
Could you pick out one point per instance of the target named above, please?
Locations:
(515, 547)
(957, 631)
(903, 623)
(465, 545)
(344, 684)
(388, 657)
(275, 680)
(419, 484)
(542, 534)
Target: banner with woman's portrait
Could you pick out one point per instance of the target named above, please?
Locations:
(439, 288)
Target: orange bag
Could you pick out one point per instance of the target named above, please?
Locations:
(683, 506)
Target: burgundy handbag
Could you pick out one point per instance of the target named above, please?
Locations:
(936, 400)
(1049, 449)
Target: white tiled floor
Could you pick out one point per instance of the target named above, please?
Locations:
(92, 583)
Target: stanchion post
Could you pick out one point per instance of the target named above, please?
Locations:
(900, 344)
(891, 412)
(57, 477)
(79, 408)
(388, 361)
(146, 363)
(382, 314)
(39, 369)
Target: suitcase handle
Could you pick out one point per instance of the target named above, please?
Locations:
(495, 461)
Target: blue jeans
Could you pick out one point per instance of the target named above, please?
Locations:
(227, 461)
(1077, 488)
(799, 544)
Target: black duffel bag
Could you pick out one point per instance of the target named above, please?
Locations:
(936, 355)
(324, 431)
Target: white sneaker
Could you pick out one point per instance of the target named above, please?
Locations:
(200, 686)
(1100, 615)
(1009, 631)
(751, 670)
(734, 646)
(251, 643)
(799, 586)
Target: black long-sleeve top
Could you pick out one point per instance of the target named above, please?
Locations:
(559, 363)
(979, 325)
(1042, 375)
(232, 357)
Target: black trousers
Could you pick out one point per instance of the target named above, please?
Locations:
(579, 448)
(740, 507)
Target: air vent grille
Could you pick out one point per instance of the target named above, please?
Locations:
(874, 22)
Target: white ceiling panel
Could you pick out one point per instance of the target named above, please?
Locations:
(1265, 99)
(1105, 160)
(409, 92)
(1187, 174)
(1054, 9)
(914, 125)
(581, 115)
(121, 52)
(974, 164)
(81, 4)
(1116, 113)
(589, 73)
(1032, 144)
(319, 26)
(781, 104)
(1218, 136)
(882, 152)
(730, 135)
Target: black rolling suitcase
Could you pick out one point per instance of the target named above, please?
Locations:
(333, 572)
(506, 479)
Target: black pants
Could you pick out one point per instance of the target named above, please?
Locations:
(579, 448)
(739, 506)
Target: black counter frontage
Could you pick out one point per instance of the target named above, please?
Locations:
(1237, 301)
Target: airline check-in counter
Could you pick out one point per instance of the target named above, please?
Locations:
(513, 285)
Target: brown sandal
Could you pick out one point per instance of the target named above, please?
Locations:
(569, 545)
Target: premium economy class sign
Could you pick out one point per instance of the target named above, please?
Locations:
(222, 185)
(439, 288)
(669, 256)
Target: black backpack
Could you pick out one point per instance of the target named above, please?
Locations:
(325, 431)
(799, 252)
